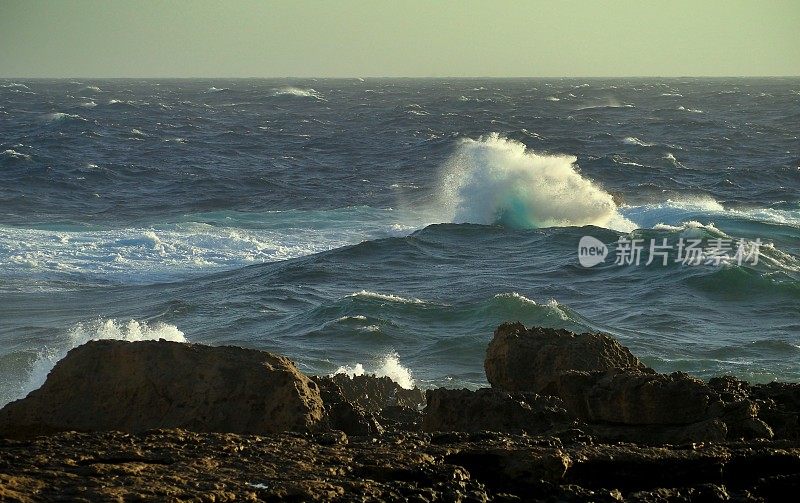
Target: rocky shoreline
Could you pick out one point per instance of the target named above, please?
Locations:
(568, 417)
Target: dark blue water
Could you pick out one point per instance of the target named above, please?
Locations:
(395, 223)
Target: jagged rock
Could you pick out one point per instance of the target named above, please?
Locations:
(520, 359)
(779, 406)
(136, 386)
(362, 405)
(629, 467)
(352, 420)
(491, 409)
(401, 418)
(603, 384)
(656, 408)
(167, 465)
(634, 398)
(341, 414)
(514, 470)
(372, 393)
(710, 430)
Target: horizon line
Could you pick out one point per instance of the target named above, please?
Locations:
(20, 77)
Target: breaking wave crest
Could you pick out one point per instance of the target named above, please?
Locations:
(495, 180)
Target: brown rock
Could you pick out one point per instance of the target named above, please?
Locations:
(491, 409)
(171, 465)
(520, 359)
(657, 408)
(711, 430)
(136, 386)
(603, 384)
(523, 471)
(371, 393)
(632, 397)
(779, 406)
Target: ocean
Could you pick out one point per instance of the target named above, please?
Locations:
(388, 226)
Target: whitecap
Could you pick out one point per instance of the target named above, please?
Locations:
(13, 154)
(674, 212)
(366, 294)
(552, 305)
(122, 102)
(609, 103)
(516, 296)
(14, 85)
(632, 140)
(358, 317)
(61, 116)
(298, 91)
(671, 158)
(495, 180)
(692, 229)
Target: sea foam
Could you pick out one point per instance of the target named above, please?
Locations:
(388, 366)
(365, 294)
(495, 180)
(13, 154)
(61, 116)
(632, 140)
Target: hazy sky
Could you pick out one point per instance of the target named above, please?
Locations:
(200, 38)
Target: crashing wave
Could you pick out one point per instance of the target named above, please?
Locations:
(388, 366)
(495, 180)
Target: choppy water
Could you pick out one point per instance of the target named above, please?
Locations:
(395, 223)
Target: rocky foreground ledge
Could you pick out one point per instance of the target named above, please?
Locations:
(569, 417)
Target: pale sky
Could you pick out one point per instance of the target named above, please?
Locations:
(363, 38)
